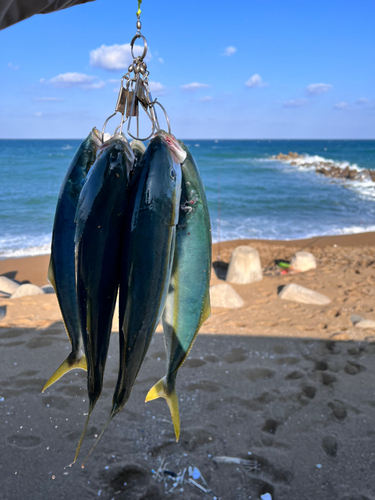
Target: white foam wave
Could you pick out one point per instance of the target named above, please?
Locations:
(365, 189)
(25, 252)
(312, 161)
(355, 230)
(67, 147)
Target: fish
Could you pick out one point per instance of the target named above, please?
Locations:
(138, 149)
(188, 303)
(61, 272)
(98, 241)
(147, 257)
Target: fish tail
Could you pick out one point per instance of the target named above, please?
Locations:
(65, 367)
(113, 413)
(82, 435)
(159, 391)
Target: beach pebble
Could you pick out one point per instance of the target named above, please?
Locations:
(360, 322)
(266, 496)
(224, 295)
(48, 289)
(244, 266)
(7, 285)
(298, 293)
(27, 289)
(303, 261)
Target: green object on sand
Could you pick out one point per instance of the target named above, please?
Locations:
(284, 265)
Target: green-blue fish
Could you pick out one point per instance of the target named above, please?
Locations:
(147, 257)
(98, 239)
(188, 303)
(61, 272)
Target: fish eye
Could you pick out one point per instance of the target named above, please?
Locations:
(172, 173)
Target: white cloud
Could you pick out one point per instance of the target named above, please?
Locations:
(295, 103)
(192, 87)
(115, 57)
(48, 99)
(229, 51)
(81, 80)
(361, 101)
(340, 105)
(14, 67)
(208, 98)
(38, 113)
(318, 88)
(256, 81)
(157, 88)
(114, 80)
(161, 60)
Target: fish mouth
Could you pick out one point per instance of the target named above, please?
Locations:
(97, 137)
(179, 155)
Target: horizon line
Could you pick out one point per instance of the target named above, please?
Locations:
(185, 139)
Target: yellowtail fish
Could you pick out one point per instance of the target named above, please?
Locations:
(147, 257)
(98, 240)
(188, 303)
(61, 272)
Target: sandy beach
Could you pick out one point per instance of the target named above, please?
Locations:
(285, 386)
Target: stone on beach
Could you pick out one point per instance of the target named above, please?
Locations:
(360, 322)
(27, 289)
(48, 289)
(3, 312)
(298, 293)
(303, 261)
(223, 295)
(244, 266)
(7, 285)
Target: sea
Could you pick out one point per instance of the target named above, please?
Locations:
(250, 194)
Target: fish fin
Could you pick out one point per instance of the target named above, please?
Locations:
(113, 413)
(159, 391)
(65, 367)
(206, 310)
(51, 274)
(82, 435)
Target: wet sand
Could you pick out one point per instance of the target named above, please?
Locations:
(288, 386)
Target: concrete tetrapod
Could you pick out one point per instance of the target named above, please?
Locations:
(223, 295)
(298, 293)
(244, 266)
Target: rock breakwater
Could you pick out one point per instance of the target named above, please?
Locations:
(326, 167)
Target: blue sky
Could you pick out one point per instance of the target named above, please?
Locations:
(265, 68)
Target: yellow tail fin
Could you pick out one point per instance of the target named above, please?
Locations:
(158, 391)
(65, 367)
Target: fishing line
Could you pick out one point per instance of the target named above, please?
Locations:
(218, 213)
(139, 8)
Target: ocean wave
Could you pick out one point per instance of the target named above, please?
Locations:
(360, 180)
(274, 230)
(12, 246)
(25, 252)
(305, 162)
(355, 230)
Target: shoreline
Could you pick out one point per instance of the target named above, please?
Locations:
(34, 268)
(345, 273)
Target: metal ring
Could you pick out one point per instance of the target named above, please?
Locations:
(165, 113)
(135, 37)
(105, 124)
